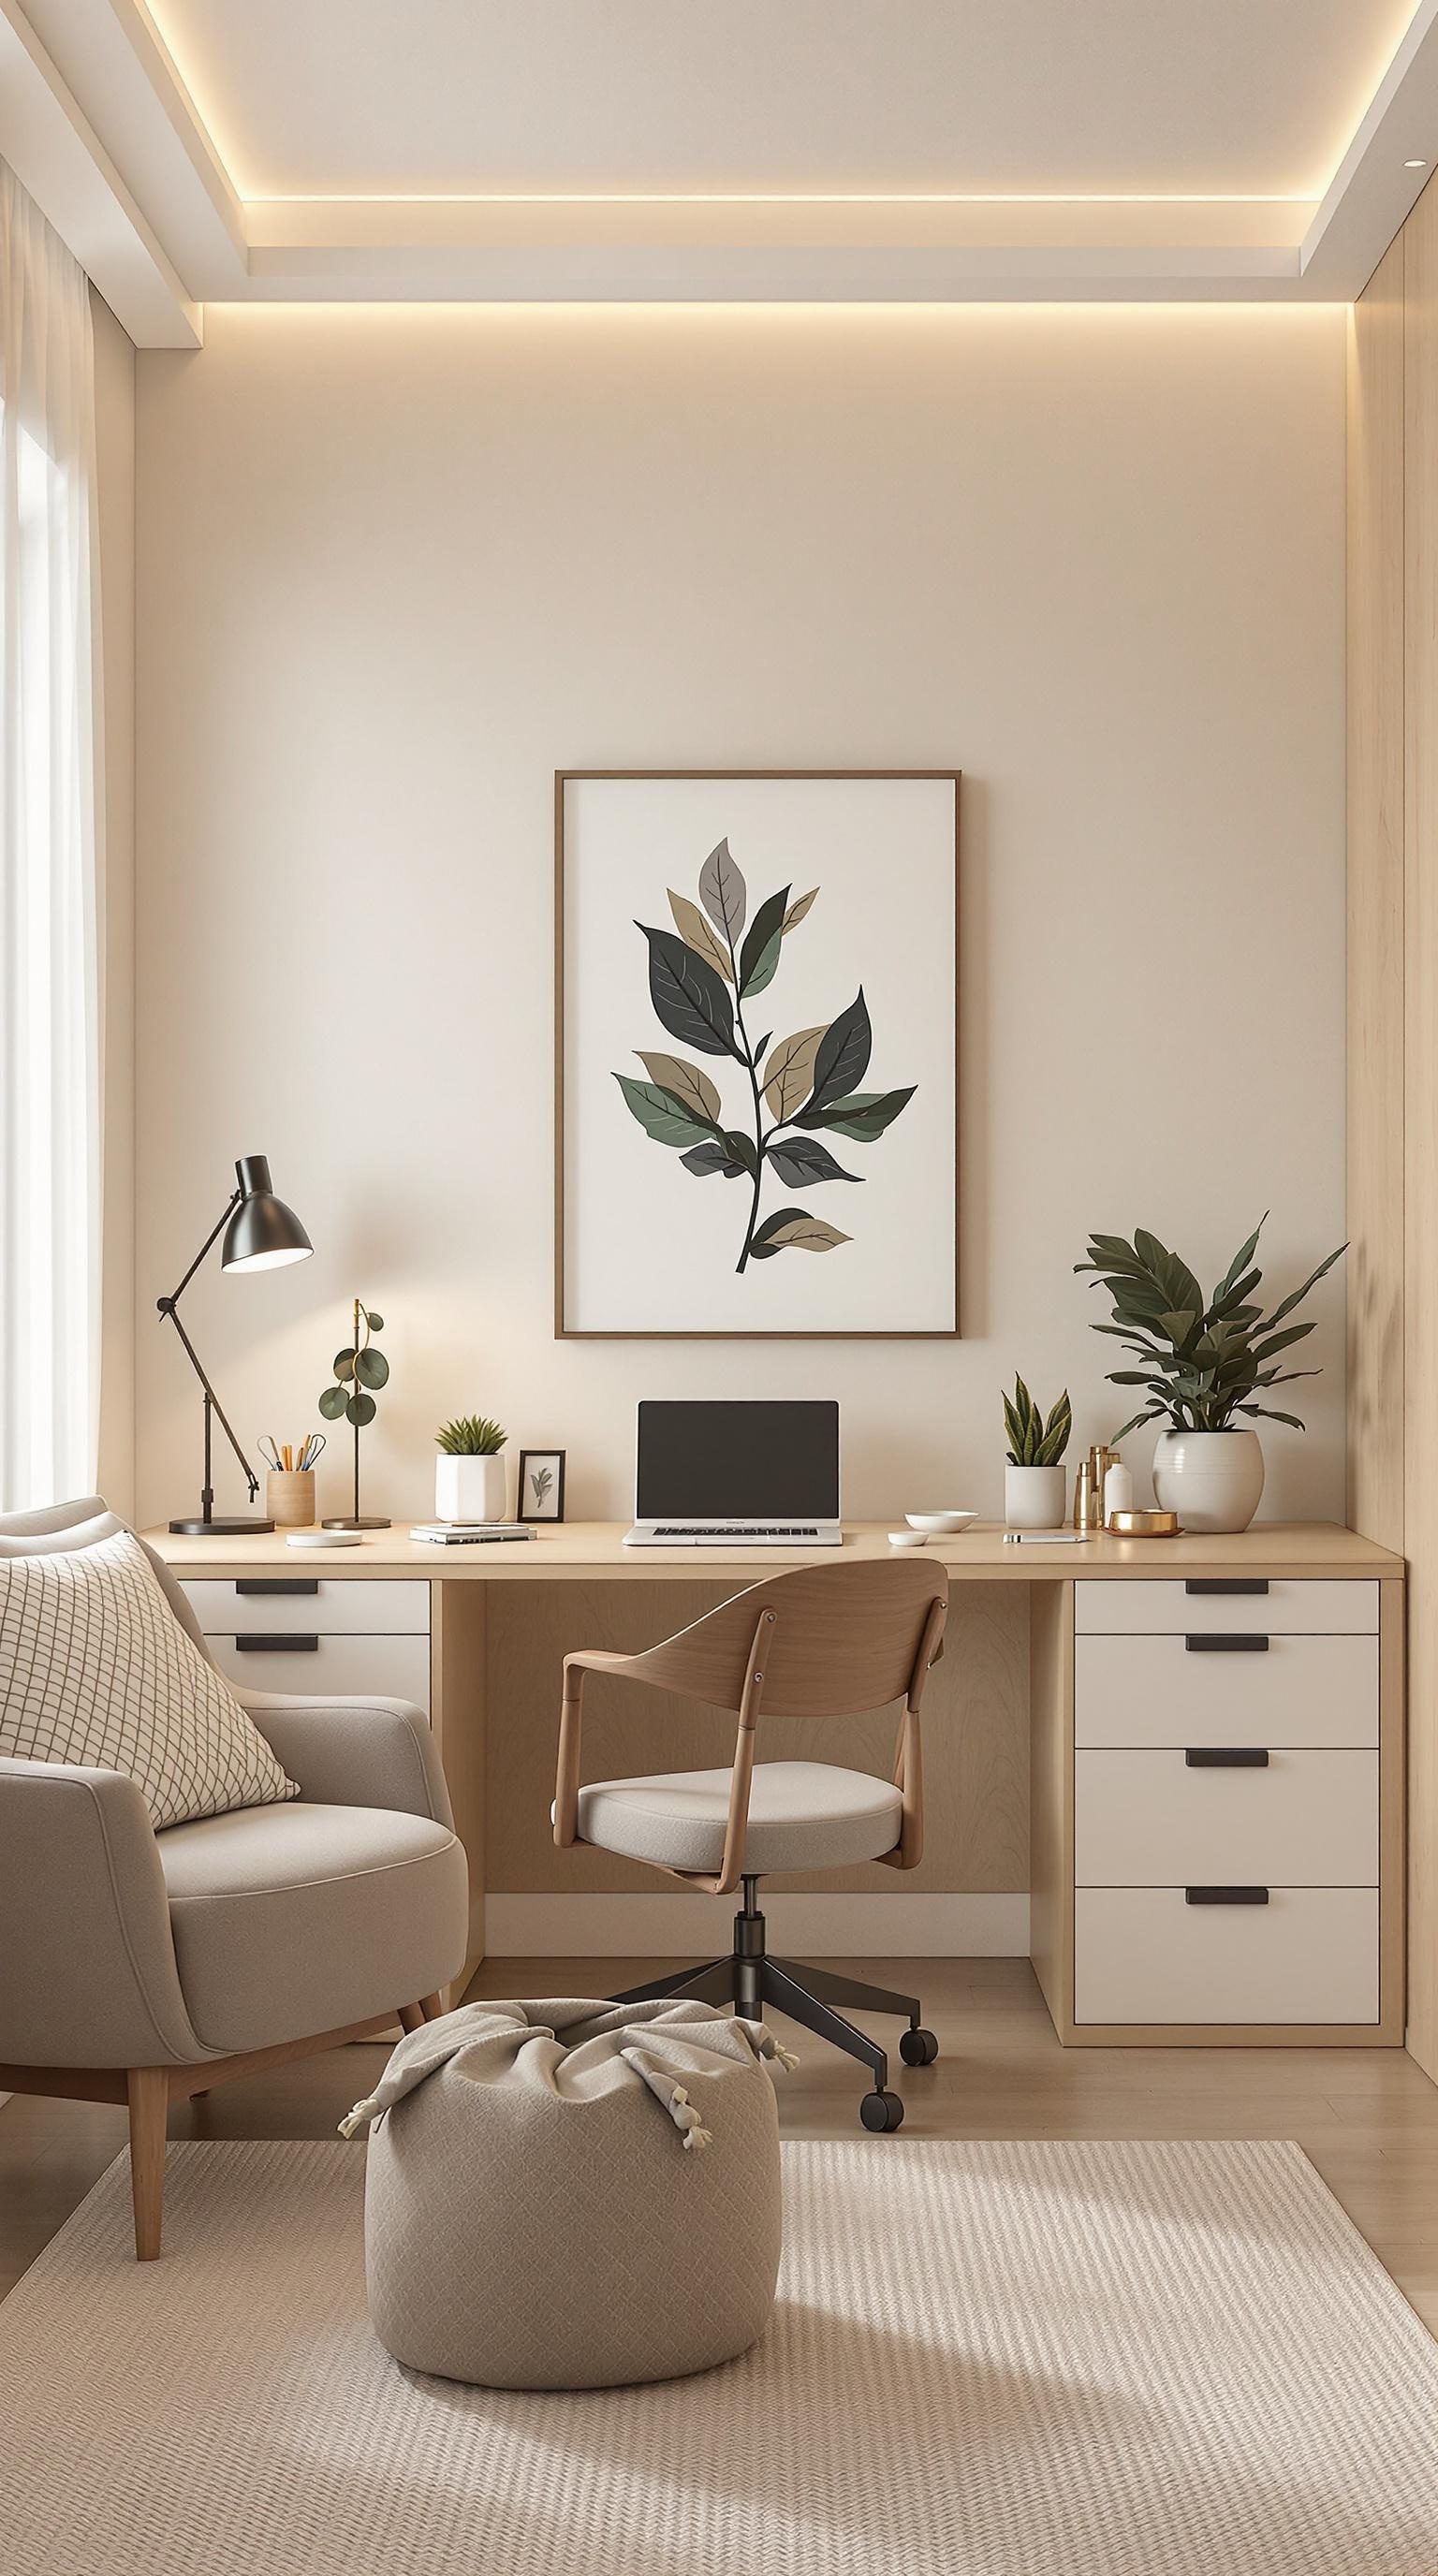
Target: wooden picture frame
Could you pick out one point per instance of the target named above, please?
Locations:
(568, 1328)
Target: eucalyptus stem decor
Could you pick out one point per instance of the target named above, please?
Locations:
(701, 974)
(359, 1371)
(1203, 1359)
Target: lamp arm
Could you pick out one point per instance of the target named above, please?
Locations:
(169, 1307)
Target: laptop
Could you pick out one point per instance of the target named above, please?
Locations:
(737, 1475)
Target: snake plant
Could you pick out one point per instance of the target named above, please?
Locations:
(1034, 1442)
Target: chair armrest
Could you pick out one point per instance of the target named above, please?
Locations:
(355, 1752)
(89, 1976)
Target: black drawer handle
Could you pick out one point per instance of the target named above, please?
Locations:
(1218, 1645)
(1199, 1584)
(250, 1585)
(1225, 1896)
(277, 1645)
(1226, 1757)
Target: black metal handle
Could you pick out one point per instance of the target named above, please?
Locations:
(1198, 1584)
(1225, 1896)
(1225, 1645)
(248, 1586)
(277, 1645)
(1226, 1757)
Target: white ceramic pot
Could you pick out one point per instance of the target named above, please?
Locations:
(1033, 1497)
(469, 1489)
(1212, 1479)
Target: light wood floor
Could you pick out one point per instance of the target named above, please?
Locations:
(1368, 2118)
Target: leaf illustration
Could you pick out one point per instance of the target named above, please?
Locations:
(723, 893)
(863, 1116)
(540, 1479)
(659, 1113)
(802, 1160)
(843, 1057)
(789, 1073)
(796, 911)
(686, 1082)
(695, 931)
(791, 1230)
(760, 953)
(688, 997)
(731, 1154)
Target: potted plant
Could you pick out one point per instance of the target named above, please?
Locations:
(469, 1471)
(1204, 1360)
(1033, 1475)
(359, 1371)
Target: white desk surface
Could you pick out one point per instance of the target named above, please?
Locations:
(579, 1551)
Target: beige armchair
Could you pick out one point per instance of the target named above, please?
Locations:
(145, 1967)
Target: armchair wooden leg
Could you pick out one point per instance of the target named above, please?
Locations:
(410, 2017)
(148, 2089)
(432, 2007)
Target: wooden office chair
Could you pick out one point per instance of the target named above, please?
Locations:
(826, 1642)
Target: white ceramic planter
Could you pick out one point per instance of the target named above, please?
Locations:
(1212, 1479)
(1033, 1497)
(469, 1489)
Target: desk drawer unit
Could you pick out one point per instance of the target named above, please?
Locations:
(1226, 1797)
(307, 1637)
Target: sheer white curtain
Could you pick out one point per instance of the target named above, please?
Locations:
(49, 825)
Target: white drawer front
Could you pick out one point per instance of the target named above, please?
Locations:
(1147, 1820)
(1133, 1690)
(1148, 1609)
(336, 1668)
(1143, 1955)
(326, 1609)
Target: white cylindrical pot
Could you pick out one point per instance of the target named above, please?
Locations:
(1033, 1497)
(1212, 1479)
(469, 1489)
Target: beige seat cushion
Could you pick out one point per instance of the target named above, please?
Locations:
(296, 1919)
(802, 1815)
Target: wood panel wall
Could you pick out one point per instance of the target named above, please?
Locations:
(1393, 1001)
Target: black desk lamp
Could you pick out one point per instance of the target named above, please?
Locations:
(260, 1233)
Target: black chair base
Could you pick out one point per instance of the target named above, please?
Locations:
(753, 1982)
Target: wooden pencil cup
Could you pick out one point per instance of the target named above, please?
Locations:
(290, 1500)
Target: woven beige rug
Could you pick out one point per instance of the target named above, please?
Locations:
(1031, 2360)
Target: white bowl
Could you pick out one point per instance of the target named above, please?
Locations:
(908, 1538)
(938, 1521)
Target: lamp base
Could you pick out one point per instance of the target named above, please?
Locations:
(220, 1529)
(349, 1521)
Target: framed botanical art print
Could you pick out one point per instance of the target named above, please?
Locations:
(541, 1484)
(756, 1035)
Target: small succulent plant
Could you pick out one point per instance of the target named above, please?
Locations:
(470, 1435)
(1034, 1442)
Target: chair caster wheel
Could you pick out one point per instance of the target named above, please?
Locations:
(918, 2047)
(881, 2111)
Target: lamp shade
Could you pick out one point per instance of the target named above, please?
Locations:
(263, 1233)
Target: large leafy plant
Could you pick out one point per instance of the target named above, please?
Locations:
(1033, 1441)
(701, 974)
(1205, 1359)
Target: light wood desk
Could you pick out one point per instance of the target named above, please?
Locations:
(1059, 1734)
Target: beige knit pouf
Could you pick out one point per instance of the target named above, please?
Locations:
(573, 2194)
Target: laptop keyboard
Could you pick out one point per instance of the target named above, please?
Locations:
(750, 1529)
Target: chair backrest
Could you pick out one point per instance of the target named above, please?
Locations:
(845, 1638)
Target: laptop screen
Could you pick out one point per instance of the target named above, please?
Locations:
(738, 1462)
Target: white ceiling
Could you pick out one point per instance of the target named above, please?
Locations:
(343, 97)
(197, 151)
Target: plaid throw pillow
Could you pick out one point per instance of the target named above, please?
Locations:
(96, 1669)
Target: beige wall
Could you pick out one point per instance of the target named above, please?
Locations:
(396, 565)
(115, 460)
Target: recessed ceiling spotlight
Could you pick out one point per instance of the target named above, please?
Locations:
(1415, 165)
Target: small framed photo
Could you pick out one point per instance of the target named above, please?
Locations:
(541, 1484)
